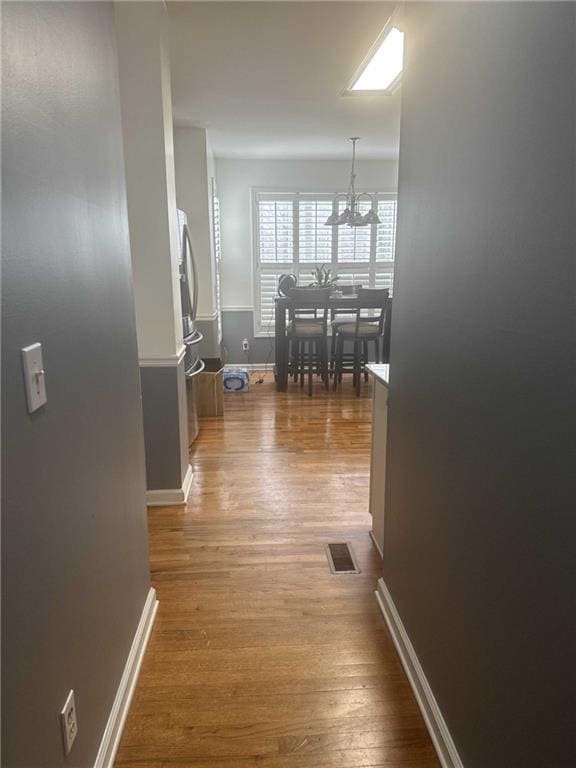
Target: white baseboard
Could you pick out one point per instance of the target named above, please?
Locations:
(169, 497)
(120, 707)
(437, 728)
(187, 484)
(251, 366)
(378, 547)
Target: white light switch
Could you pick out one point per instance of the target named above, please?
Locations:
(34, 377)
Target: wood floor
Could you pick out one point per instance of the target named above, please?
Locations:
(260, 656)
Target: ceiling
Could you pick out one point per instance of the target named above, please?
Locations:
(266, 78)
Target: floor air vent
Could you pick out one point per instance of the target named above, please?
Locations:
(340, 558)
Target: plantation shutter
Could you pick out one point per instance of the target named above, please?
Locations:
(218, 254)
(354, 242)
(275, 231)
(291, 237)
(385, 244)
(315, 238)
(268, 290)
(386, 230)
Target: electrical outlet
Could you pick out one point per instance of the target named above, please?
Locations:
(245, 345)
(69, 723)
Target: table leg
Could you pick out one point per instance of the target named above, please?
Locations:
(281, 350)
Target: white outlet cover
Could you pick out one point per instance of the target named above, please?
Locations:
(69, 722)
(34, 377)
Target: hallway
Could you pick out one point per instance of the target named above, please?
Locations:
(259, 655)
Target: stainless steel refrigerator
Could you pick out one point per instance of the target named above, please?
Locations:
(193, 365)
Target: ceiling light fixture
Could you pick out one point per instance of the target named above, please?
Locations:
(351, 214)
(382, 68)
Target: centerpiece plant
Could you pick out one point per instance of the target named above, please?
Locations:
(323, 277)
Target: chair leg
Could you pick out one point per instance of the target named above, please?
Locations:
(357, 367)
(301, 360)
(325, 369)
(335, 367)
(310, 366)
(365, 360)
(377, 350)
(337, 362)
(295, 359)
(333, 351)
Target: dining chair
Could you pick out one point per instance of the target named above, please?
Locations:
(364, 329)
(338, 316)
(308, 335)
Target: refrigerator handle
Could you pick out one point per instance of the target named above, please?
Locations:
(196, 370)
(194, 297)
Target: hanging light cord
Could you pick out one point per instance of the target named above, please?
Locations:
(352, 187)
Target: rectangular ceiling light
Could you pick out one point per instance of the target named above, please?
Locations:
(384, 66)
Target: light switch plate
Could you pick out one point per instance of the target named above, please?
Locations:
(69, 722)
(34, 377)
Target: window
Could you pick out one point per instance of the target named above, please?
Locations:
(290, 237)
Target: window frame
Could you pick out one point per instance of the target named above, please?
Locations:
(372, 266)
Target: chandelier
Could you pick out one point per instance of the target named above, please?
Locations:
(351, 214)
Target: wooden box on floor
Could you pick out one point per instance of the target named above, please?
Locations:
(210, 390)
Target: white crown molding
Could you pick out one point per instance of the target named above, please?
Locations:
(371, 157)
(170, 497)
(121, 705)
(315, 189)
(162, 361)
(435, 723)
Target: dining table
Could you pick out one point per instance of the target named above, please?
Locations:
(337, 301)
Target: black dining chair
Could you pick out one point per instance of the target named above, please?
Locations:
(364, 329)
(308, 334)
(339, 316)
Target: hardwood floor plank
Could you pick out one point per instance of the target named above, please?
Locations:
(260, 656)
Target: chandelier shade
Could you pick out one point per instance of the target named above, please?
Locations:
(371, 217)
(332, 219)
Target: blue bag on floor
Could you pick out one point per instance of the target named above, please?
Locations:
(236, 380)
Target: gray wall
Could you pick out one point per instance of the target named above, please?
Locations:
(164, 400)
(210, 347)
(238, 325)
(74, 557)
(480, 522)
